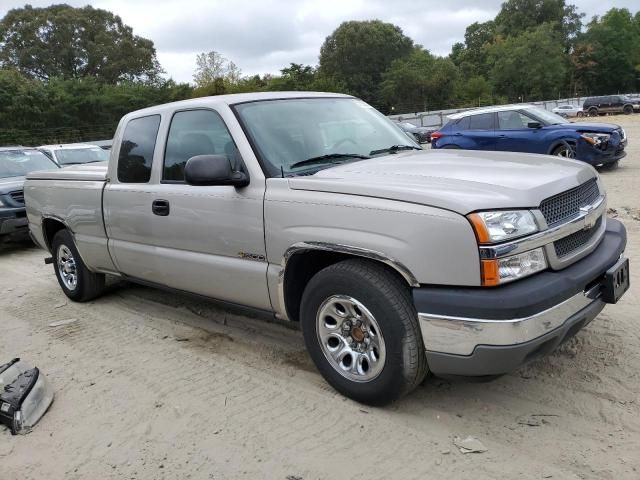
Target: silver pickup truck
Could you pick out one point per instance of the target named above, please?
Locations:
(315, 208)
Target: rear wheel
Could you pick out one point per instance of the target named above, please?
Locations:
(451, 147)
(580, 113)
(566, 150)
(628, 109)
(361, 330)
(76, 280)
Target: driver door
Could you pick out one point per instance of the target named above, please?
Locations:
(514, 135)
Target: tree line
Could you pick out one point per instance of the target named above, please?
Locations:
(69, 74)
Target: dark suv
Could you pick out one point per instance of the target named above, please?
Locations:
(15, 163)
(609, 104)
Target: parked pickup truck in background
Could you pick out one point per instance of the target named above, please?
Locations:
(396, 261)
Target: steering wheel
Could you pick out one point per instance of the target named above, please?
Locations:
(344, 140)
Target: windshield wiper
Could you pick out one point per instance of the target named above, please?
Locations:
(327, 159)
(394, 149)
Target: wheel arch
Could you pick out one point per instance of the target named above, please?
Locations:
(561, 141)
(51, 226)
(303, 260)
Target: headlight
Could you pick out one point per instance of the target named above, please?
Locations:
(507, 269)
(492, 227)
(596, 138)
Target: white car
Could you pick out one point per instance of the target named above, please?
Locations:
(74, 153)
(568, 111)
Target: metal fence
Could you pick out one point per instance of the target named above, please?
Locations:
(437, 118)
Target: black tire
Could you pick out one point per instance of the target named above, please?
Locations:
(388, 299)
(580, 114)
(88, 285)
(451, 147)
(611, 166)
(627, 110)
(593, 112)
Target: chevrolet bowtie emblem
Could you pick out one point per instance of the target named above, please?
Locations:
(590, 217)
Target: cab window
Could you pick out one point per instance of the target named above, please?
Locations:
(136, 149)
(192, 133)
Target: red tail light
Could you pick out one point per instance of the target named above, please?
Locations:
(436, 135)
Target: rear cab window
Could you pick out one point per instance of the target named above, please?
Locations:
(136, 149)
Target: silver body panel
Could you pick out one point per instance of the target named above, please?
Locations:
(405, 210)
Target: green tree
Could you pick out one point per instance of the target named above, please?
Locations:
(419, 82)
(357, 53)
(518, 16)
(214, 69)
(67, 42)
(532, 64)
(608, 54)
(294, 77)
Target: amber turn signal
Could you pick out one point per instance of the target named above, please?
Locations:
(480, 228)
(490, 273)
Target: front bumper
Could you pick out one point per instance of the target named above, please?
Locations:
(596, 157)
(492, 331)
(13, 221)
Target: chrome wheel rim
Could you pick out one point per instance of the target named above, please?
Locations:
(350, 338)
(67, 267)
(566, 152)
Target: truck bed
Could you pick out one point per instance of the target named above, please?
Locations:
(72, 196)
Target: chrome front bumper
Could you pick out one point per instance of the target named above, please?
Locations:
(460, 335)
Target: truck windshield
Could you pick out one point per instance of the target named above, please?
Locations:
(17, 163)
(289, 131)
(72, 156)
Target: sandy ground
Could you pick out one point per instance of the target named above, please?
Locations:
(156, 386)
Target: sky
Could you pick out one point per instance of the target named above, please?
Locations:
(263, 36)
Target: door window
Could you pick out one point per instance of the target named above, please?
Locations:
(136, 149)
(484, 121)
(512, 120)
(192, 133)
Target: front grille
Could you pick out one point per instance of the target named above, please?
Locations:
(566, 205)
(18, 197)
(573, 242)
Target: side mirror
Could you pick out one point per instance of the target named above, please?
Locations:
(534, 125)
(213, 170)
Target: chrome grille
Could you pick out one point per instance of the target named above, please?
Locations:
(17, 197)
(566, 205)
(573, 242)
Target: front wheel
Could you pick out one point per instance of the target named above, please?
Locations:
(361, 330)
(628, 110)
(566, 150)
(580, 114)
(76, 280)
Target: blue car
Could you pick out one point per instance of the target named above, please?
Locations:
(527, 128)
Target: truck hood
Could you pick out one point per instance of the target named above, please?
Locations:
(11, 184)
(459, 180)
(96, 171)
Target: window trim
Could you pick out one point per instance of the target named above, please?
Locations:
(155, 145)
(166, 141)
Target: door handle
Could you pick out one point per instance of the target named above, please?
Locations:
(160, 207)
